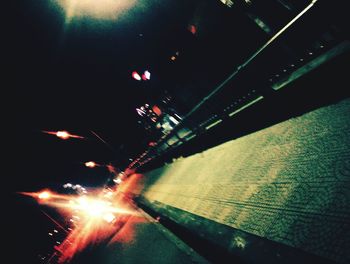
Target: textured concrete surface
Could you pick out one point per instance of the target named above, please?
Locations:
(289, 183)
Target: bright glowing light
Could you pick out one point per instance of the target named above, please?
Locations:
(44, 195)
(90, 164)
(95, 208)
(173, 120)
(109, 217)
(62, 134)
(92, 217)
(136, 76)
(109, 194)
(156, 110)
(101, 9)
(140, 111)
(117, 181)
(230, 3)
(147, 75)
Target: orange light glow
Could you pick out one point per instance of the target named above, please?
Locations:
(96, 217)
(44, 195)
(90, 164)
(62, 134)
(157, 110)
(109, 217)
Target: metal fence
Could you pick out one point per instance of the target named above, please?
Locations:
(252, 81)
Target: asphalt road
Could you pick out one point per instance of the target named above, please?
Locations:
(141, 240)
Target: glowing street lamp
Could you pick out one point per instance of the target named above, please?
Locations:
(62, 134)
(91, 164)
(44, 195)
(103, 10)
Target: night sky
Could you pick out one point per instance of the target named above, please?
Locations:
(76, 76)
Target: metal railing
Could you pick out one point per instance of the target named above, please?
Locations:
(200, 119)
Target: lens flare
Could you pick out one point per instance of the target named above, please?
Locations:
(103, 215)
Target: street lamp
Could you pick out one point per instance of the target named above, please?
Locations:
(62, 134)
(44, 195)
(91, 164)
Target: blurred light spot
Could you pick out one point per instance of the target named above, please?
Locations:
(117, 181)
(147, 75)
(239, 242)
(62, 134)
(44, 195)
(173, 120)
(136, 76)
(192, 29)
(90, 164)
(101, 9)
(141, 112)
(109, 217)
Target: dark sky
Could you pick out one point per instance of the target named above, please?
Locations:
(77, 77)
